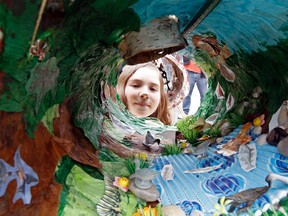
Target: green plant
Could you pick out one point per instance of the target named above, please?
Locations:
(171, 149)
(184, 126)
(131, 166)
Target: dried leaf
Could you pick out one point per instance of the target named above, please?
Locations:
(43, 78)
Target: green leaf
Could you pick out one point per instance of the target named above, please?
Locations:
(49, 116)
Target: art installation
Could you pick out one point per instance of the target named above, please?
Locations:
(70, 145)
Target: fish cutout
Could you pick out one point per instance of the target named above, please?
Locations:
(22, 173)
(227, 73)
(204, 170)
(219, 91)
(230, 102)
(247, 157)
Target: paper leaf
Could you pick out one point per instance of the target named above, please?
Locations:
(7, 174)
(43, 78)
(26, 178)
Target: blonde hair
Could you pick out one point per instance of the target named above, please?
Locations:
(162, 112)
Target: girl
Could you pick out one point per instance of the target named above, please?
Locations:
(141, 89)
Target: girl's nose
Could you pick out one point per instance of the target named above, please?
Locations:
(144, 94)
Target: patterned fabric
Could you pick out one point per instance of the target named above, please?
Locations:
(200, 191)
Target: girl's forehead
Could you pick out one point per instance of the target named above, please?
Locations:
(146, 75)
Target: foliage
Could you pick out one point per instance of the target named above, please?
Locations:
(183, 126)
(148, 211)
(129, 203)
(49, 116)
(171, 149)
(131, 165)
(214, 131)
(76, 32)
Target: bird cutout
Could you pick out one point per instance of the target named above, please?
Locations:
(150, 140)
(24, 175)
(200, 151)
(143, 177)
(244, 199)
(204, 169)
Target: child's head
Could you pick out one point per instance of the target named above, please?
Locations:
(141, 89)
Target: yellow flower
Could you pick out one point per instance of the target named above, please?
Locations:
(146, 211)
(142, 156)
(221, 209)
(259, 120)
(122, 183)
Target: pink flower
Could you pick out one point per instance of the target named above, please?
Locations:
(122, 183)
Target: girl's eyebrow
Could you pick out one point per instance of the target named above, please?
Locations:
(139, 80)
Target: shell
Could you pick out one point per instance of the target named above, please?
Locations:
(230, 102)
(219, 139)
(283, 147)
(261, 140)
(167, 172)
(211, 119)
(219, 91)
(227, 73)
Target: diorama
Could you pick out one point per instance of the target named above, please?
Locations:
(69, 146)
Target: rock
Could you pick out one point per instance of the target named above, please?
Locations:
(261, 140)
(172, 210)
(197, 213)
(148, 195)
(283, 147)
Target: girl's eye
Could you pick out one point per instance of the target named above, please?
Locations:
(135, 85)
(154, 89)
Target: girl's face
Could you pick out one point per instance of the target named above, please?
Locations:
(143, 92)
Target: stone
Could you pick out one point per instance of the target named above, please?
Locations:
(172, 210)
(283, 147)
(148, 195)
(197, 213)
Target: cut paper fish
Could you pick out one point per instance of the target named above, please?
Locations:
(22, 173)
(247, 157)
(204, 170)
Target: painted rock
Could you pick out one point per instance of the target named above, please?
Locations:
(172, 210)
(283, 146)
(148, 195)
(261, 140)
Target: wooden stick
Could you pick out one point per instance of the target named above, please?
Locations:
(43, 5)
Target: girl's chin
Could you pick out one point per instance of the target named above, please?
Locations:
(141, 114)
